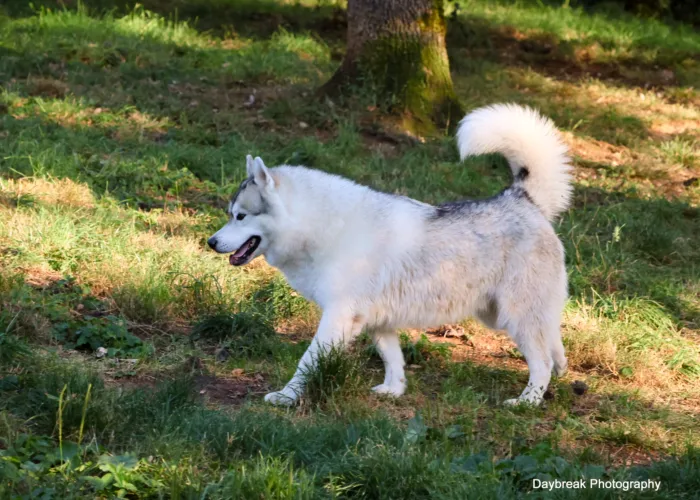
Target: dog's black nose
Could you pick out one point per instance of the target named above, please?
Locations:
(212, 242)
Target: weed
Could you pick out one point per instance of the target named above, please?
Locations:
(338, 374)
(245, 334)
(11, 347)
(423, 351)
(682, 151)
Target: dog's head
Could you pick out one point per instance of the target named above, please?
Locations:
(248, 231)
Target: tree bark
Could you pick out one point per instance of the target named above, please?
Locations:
(396, 49)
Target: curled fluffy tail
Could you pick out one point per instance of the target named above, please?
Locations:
(531, 144)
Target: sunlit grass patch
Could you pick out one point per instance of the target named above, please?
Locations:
(170, 277)
(683, 151)
(18, 192)
(619, 36)
(619, 137)
(143, 44)
(632, 340)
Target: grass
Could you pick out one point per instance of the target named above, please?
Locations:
(613, 36)
(133, 361)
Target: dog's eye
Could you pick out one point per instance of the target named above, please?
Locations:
(240, 216)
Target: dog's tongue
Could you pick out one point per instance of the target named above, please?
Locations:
(240, 252)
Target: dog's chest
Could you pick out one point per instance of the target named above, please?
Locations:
(304, 281)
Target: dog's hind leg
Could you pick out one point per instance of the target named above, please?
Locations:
(336, 329)
(389, 347)
(558, 355)
(533, 344)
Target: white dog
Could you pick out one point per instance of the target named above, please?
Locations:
(384, 262)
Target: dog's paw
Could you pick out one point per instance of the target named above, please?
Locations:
(281, 398)
(390, 390)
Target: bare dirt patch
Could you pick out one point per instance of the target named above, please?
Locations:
(627, 455)
(477, 344)
(599, 151)
(142, 381)
(40, 276)
(231, 390)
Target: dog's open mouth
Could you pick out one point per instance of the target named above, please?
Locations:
(241, 256)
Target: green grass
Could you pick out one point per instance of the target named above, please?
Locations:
(619, 35)
(679, 150)
(122, 133)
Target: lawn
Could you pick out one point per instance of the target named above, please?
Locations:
(133, 360)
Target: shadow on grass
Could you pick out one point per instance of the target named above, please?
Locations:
(182, 78)
(142, 49)
(619, 244)
(475, 37)
(472, 33)
(170, 92)
(616, 426)
(132, 419)
(256, 18)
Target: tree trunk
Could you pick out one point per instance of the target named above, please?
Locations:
(396, 49)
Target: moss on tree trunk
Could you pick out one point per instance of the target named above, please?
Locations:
(396, 49)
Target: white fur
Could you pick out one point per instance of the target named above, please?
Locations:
(382, 262)
(527, 139)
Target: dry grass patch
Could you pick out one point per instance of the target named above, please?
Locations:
(50, 191)
(630, 352)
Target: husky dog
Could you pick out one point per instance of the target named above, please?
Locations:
(383, 262)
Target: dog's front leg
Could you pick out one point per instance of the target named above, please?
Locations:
(335, 329)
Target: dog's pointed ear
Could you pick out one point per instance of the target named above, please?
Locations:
(261, 174)
(249, 164)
